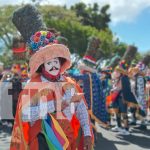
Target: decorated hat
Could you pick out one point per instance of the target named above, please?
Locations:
(19, 48)
(46, 48)
(146, 60)
(122, 67)
(93, 51)
(133, 71)
(92, 54)
(141, 67)
(138, 69)
(20, 69)
(114, 61)
(18, 45)
(42, 44)
(129, 54)
(15, 69)
(28, 20)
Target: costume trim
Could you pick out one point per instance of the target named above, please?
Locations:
(130, 104)
(91, 111)
(113, 110)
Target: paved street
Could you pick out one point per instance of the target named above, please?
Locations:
(5, 137)
(138, 140)
(107, 140)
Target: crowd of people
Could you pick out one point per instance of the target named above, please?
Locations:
(56, 104)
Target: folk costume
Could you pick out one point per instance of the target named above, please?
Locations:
(138, 81)
(121, 83)
(121, 96)
(91, 83)
(148, 89)
(41, 123)
(106, 87)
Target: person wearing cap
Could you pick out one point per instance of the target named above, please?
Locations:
(51, 111)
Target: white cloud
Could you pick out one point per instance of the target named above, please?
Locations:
(60, 2)
(13, 2)
(121, 10)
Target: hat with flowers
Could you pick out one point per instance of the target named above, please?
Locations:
(122, 67)
(42, 44)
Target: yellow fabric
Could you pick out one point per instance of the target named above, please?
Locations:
(57, 126)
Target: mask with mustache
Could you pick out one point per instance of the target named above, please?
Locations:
(52, 67)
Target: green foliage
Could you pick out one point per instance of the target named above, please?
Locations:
(70, 26)
(78, 34)
(76, 24)
(6, 58)
(93, 16)
(120, 48)
(57, 13)
(7, 29)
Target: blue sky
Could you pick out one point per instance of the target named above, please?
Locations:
(130, 18)
(136, 32)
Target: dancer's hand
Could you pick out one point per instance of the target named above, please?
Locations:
(77, 97)
(36, 98)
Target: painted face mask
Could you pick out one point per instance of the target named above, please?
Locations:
(53, 67)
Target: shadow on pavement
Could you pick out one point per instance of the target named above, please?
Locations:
(105, 144)
(144, 132)
(141, 141)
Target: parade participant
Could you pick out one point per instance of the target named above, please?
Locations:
(121, 97)
(138, 81)
(127, 57)
(148, 91)
(44, 129)
(19, 69)
(91, 83)
(139, 91)
(106, 86)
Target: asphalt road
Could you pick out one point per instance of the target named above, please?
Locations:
(5, 136)
(107, 140)
(137, 140)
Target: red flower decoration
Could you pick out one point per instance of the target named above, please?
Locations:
(49, 35)
(36, 39)
(38, 34)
